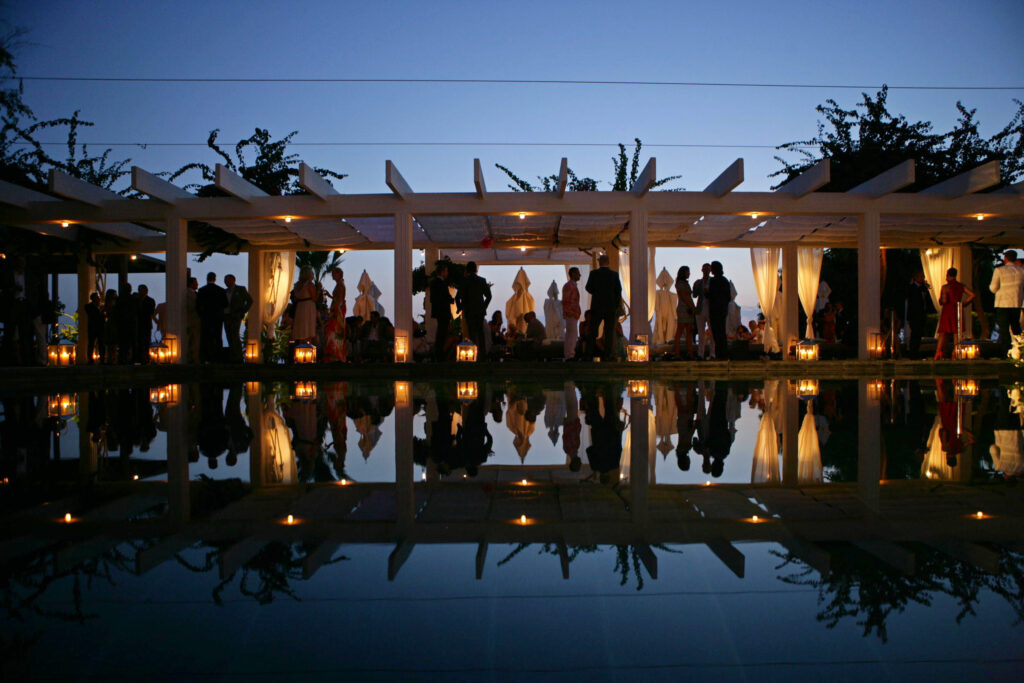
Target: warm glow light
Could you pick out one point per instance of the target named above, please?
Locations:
(876, 347)
(966, 387)
(401, 394)
(875, 389)
(522, 519)
(967, 350)
(638, 388)
(135, 477)
(134, 257)
(979, 514)
(165, 395)
(290, 520)
(67, 516)
(65, 224)
(402, 348)
(981, 216)
(807, 349)
(707, 248)
(287, 219)
(522, 216)
(305, 391)
(62, 354)
(252, 351)
(638, 352)
(524, 482)
(159, 353)
(62, 405)
(754, 215)
(754, 518)
(707, 483)
(305, 353)
(466, 391)
(807, 389)
(252, 388)
(522, 248)
(466, 352)
(343, 482)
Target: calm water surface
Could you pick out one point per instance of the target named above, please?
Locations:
(514, 531)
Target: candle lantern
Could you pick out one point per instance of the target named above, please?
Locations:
(876, 388)
(966, 387)
(638, 388)
(807, 389)
(465, 352)
(62, 354)
(252, 351)
(807, 349)
(167, 395)
(467, 391)
(402, 348)
(305, 391)
(968, 349)
(305, 353)
(96, 356)
(173, 347)
(638, 352)
(62, 405)
(253, 388)
(876, 347)
(401, 394)
(159, 353)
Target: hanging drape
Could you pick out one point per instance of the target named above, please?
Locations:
(808, 450)
(520, 303)
(624, 274)
(279, 271)
(765, 264)
(279, 459)
(625, 463)
(935, 262)
(554, 323)
(664, 309)
(765, 466)
(651, 288)
(808, 262)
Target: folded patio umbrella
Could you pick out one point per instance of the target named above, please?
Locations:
(664, 309)
(554, 323)
(520, 304)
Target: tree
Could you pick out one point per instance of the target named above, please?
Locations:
(621, 181)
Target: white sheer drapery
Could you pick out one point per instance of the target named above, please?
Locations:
(651, 285)
(626, 462)
(765, 264)
(279, 271)
(765, 467)
(624, 274)
(808, 262)
(935, 262)
(664, 309)
(279, 460)
(808, 451)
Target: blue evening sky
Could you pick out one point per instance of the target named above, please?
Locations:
(859, 43)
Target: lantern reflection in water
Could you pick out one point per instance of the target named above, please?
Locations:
(466, 391)
(876, 388)
(252, 351)
(166, 395)
(807, 389)
(305, 391)
(638, 388)
(62, 405)
(966, 387)
(401, 394)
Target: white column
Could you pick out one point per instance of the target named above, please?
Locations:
(613, 256)
(405, 508)
(257, 447)
(639, 439)
(403, 277)
(869, 446)
(869, 295)
(638, 318)
(178, 497)
(86, 286)
(176, 281)
(258, 292)
(790, 332)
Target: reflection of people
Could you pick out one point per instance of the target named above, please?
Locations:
(605, 294)
(1008, 286)
(952, 435)
(603, 407)
(238, 304)
(239, 433)
(473, 441)
(440, 310)
(213, 432)
(685, 399)
(950, 298)
(94, 326)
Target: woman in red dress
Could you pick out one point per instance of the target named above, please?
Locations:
(951, 295)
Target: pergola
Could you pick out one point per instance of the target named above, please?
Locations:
(536, 227)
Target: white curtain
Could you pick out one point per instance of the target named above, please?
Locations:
(935, 262)
(808, 260)
(765, 264)
(765, 467)
(279, 271)
(808, 450)
(279, 459)
(665, 309)
(624, 274)
(651, 285)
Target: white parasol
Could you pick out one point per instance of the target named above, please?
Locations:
(664, 309)
(554, 323)
(520, 304)
(367, 302)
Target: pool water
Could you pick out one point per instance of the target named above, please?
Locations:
(516, 530)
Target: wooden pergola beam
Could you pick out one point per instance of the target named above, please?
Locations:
(815, 177)
(237, 186)
(314, 183)
(563, 178)
(727, 180)
(156, 187)
(645, 181)
(968, 182)
(71, 187)
(478, 180)
(395, 181)
(896, 178)
(16, 195)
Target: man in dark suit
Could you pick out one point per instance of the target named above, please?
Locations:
(239, 303)
(718, 294)
(126, 322)
(210, 304)
(440, 309)
(472, 298)
(145, 308)
(605, 294)
(919, 303)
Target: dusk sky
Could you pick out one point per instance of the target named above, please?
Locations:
(933, 43)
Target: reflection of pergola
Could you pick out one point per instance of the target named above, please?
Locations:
(549, 227)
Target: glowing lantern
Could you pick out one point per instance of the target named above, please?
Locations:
(173, 347)
(807, 389)
(638, 352)
(402, 348)
(966, 387)
(401, 394)
(876, 347)
(465, 352)
(305, 353)
(166, 395)
(62, 405)
(807, 349)
(305, 391)
(466, 391)
(62, 354)
(96, 356)
(875, 389)
(159, 353)
(638, 388)
(252, 388)
(252, 351)
(967, 349)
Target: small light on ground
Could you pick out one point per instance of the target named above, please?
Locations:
(523, 482)
(291, 519)
(135, 477)
(979, 514)
(67, 516)
(522, 519)
(754, 518)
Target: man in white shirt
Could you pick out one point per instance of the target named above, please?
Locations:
(1008, 286)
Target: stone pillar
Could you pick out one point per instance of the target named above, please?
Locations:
(403, 277)
(638, 304)
(86, 286)
(639, 457)
(790, 421)
(178, 499)
(869, 295)
(405, 507)
(257, 422)
(176, 282)
(258, 292)
(869, 447)
(790, 332)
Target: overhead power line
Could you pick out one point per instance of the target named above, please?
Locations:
(425, 144)
(509, 81)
